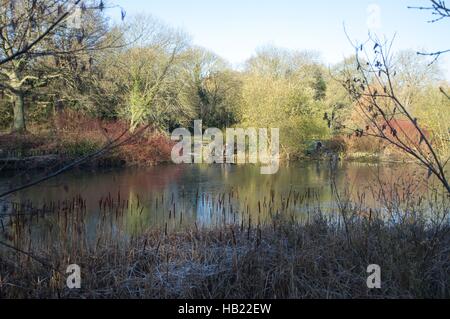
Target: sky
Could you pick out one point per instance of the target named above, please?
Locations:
(234, 29)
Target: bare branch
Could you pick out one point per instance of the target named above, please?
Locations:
(439, 10)
(28, 47)
(374, 93)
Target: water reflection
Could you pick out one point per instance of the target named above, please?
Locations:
(131, 201)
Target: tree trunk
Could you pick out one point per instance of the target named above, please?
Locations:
(19, 113)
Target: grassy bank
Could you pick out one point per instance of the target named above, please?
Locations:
(321, 258)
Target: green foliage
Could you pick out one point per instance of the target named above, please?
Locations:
(284, 103)
(340, 105)
(6, 114)
(150, 77)
(160, 79)
(78, 148)
(209, 88)
(432, 110)
(320, 86)
(221, 97)
(39, 112)
(289, 91)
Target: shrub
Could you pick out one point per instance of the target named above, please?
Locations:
(78, 148)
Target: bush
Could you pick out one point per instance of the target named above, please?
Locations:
(147, 150)
(78, 148)
(6, 115)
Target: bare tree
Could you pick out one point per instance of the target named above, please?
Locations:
(149, 72)
(385, 114)
(38, 43)
(64, 10)
(28, 16)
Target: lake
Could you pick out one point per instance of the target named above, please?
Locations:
(128, 202)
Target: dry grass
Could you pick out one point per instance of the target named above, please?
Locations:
(322, 257)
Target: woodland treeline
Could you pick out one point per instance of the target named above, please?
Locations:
(139, 71)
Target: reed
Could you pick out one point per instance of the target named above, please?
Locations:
(265, 251)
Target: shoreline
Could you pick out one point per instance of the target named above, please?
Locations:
(113, 161)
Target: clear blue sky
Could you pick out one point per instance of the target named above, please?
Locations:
(235, 28)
